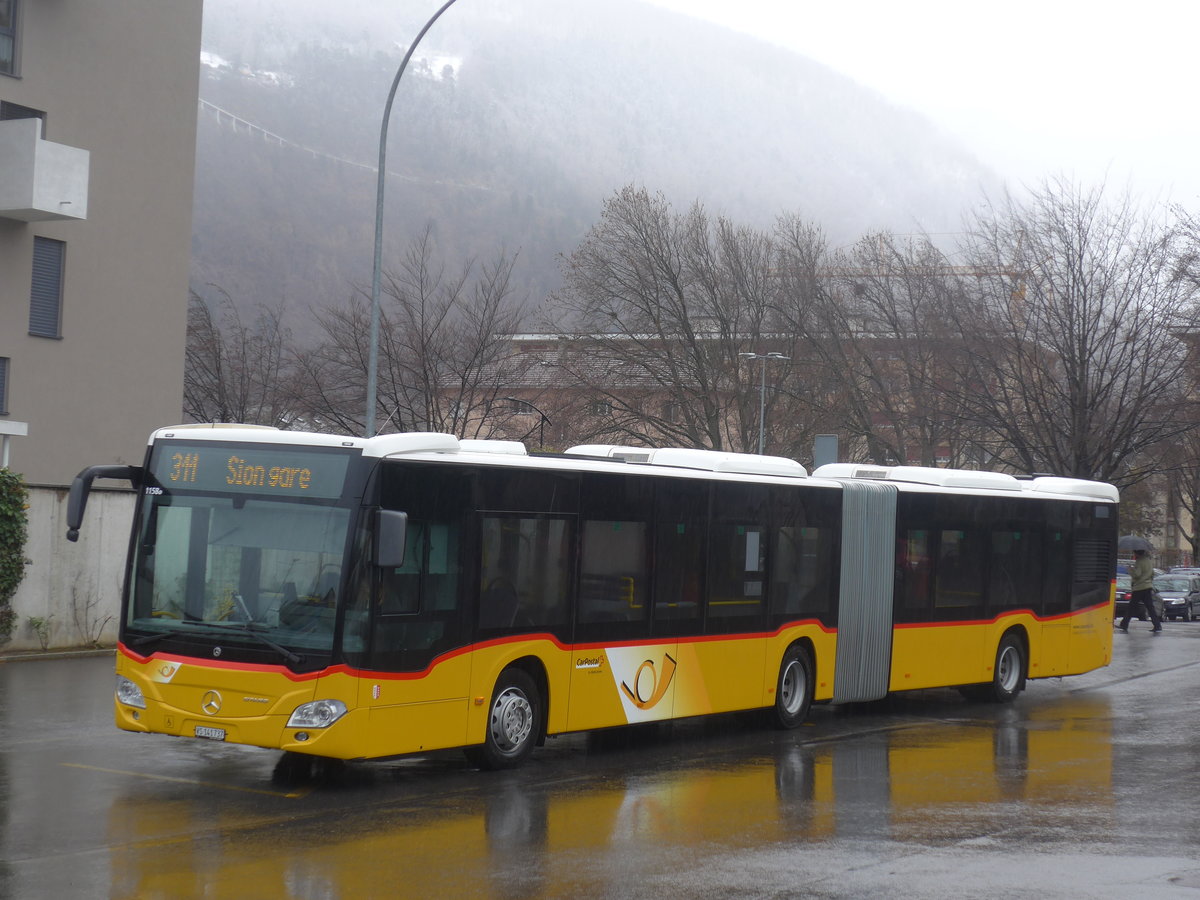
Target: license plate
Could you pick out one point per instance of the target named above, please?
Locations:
(213, 734)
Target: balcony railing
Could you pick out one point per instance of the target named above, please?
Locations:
(40, 180)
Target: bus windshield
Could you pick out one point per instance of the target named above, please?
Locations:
(239, 543)
(265, 571)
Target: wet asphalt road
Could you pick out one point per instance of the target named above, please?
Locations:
(1085, 787)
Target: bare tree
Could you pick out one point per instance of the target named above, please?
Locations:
(445, 358)
(1177, 464)
(1142, 514)
(874, 343)
(234, 371)
(662, 304)
(1075, 365)
(1180, 459)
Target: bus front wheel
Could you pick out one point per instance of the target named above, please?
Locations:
(794, 691)
(513, 720)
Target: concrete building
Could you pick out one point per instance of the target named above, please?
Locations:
(97, 152)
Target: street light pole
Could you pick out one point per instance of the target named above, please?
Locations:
(373, 355)
(762, 390)
(543, 421)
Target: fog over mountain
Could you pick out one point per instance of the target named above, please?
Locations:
(514, 122)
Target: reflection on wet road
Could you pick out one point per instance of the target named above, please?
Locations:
(1083, 787)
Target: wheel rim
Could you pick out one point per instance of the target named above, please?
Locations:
(512, 720)
(792, 687)
(1008, 669)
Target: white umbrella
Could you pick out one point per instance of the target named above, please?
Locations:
(1133, 542)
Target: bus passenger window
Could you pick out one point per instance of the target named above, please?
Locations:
(612, 577)
(737, 556)
(428, 580)
(1056, 577)
(802, 549)
(1014, 570)
(499, 599)
(523, 570)
(800, 571)
(678, 575)
(960, 566)
(738, 570)
(680, 511)
(914, 568)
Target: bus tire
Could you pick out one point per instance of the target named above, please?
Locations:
(1008, 674)
(514, 717)
(794, 689)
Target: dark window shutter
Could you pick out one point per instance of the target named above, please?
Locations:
(45, 298)
(17, 111)
(3, 386)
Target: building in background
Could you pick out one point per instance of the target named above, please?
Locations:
(97, 151)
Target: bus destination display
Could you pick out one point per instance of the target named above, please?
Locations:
(259, 470)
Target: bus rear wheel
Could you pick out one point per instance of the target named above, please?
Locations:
(1008, 674)
(794, 690)
(514, 718)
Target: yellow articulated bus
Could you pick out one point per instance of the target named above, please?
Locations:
(360, 598)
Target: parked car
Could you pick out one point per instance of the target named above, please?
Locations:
(1184, 570)
(1123, 592)
(1180, 594)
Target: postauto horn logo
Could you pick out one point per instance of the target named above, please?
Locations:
(650, 686)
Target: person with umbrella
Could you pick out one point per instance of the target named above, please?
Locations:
(1141, 581)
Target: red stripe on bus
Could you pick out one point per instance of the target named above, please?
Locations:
(343, 668)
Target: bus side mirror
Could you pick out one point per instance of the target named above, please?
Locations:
(391, 535)
(82, 486)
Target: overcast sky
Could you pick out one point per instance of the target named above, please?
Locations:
(1097, 91)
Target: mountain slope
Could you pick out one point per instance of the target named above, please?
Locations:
(513, 124)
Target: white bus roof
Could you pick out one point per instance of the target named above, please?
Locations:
(970, 478)
(707, 460)
(438, 444)
(253, 434)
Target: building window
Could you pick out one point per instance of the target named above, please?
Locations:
(8, 37)
(45, 296)
(522, 407)
(600, 408)
(3, 385)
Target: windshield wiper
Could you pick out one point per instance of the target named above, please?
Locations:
(255, 629)
(150, 638)
(192, 628)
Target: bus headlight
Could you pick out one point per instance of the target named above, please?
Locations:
(318, 714)
(129, 693)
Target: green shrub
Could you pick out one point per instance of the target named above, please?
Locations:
(13, 531)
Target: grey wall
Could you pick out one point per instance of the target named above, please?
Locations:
(75, 586)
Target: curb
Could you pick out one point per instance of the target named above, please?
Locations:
(33, 655)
